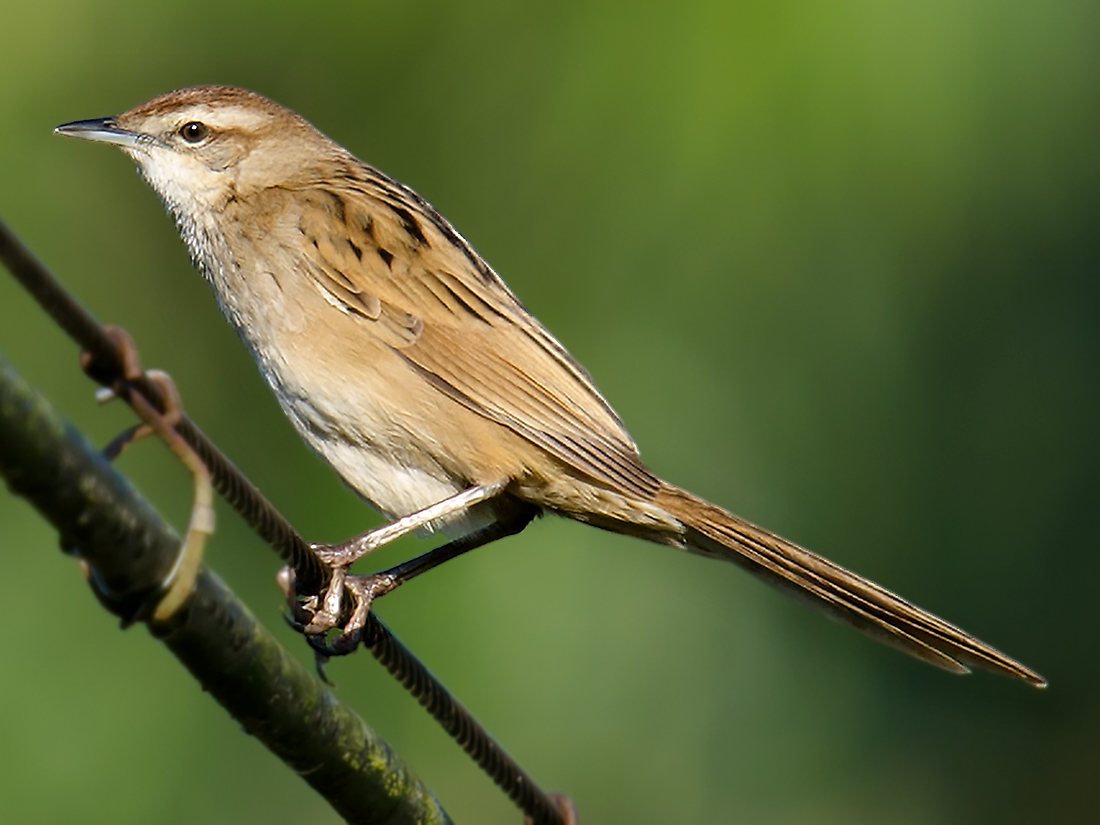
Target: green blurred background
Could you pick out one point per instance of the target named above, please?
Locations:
(835, 265)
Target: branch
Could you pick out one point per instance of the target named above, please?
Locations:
(127, 549)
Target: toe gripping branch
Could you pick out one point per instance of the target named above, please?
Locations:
(345, 602)
(119, 380)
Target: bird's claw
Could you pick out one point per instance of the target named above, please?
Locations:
(343, 644)
(315, 616)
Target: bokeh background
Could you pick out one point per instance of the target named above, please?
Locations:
(836, 265)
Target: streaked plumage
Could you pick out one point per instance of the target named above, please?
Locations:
(405, 361)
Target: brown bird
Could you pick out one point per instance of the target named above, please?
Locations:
(404, 360)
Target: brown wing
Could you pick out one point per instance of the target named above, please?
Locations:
(391, 259)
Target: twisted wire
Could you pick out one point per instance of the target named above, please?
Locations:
(460, 724)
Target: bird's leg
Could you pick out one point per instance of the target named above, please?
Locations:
(178, 584)
(325, 612)
(346, 553)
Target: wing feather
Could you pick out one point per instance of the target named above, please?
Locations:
(389, 259)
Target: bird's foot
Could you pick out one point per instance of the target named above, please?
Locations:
(316, 616)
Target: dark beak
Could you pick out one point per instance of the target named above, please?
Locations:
(104, 130)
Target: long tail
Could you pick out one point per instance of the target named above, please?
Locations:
(711, 531)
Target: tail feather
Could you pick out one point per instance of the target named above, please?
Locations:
(711, 531)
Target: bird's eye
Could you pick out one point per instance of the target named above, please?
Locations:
(193, 131)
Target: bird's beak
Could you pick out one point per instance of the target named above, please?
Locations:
(105, 130)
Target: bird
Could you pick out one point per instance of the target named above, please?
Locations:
(404, 360)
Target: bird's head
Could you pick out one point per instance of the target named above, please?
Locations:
(200, 146)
